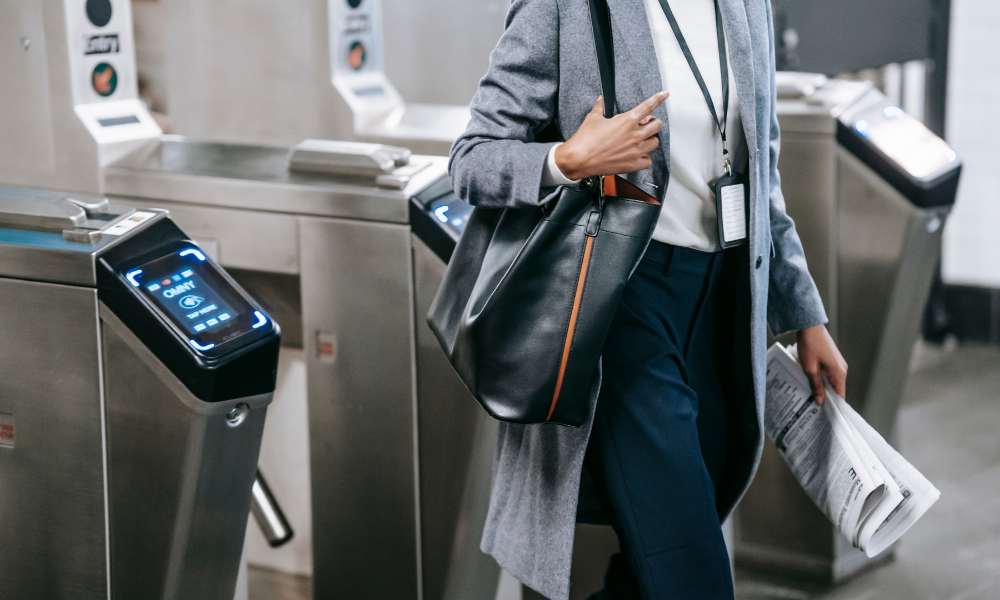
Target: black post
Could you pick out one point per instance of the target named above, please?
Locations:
(937, 77)
(936, 319)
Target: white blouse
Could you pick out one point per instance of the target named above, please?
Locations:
(688, 216)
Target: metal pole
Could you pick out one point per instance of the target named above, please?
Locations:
(268, 514)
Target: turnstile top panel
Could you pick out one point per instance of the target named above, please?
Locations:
(899, 148)
(810, 103)
(258, 177)
(56, 237)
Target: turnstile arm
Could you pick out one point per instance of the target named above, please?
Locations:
(268, 514)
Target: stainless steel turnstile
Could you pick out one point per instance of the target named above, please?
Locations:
(401, 454)
(134, 381)
(869, 189)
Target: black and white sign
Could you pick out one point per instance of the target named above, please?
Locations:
(101, 44)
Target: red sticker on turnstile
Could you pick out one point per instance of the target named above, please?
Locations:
(326, 347)
(6, 430)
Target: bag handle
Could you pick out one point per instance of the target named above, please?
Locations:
(600, 20)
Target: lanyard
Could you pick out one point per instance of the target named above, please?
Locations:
(723, 62)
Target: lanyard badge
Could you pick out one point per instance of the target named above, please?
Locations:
(731, 191)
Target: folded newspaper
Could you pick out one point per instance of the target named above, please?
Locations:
(866, 488)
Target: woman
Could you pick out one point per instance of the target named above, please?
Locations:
(676, 428)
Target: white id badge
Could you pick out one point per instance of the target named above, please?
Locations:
(731, 209)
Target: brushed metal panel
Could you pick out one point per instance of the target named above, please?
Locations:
(52, 509)
(807, 167)
(179, 478)
(257, 177)
(59, 261)
(457, 444)
(46, 264)
(875, 221)
(26, 129)
(776, 517)
(888, 255)
(356, 287)
(246, 239)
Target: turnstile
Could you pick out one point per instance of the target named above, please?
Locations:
(401, 454)
(869, 188)
(134, 380)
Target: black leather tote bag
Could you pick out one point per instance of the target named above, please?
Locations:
(529, 294)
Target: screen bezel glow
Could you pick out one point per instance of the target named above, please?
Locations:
(247, 325)
(874, 125)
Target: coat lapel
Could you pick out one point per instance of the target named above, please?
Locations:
(637, 77)
(740, 49)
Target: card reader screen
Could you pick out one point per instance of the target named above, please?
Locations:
(190, 300)
(451, 213)
(191, 293)
(907, 142)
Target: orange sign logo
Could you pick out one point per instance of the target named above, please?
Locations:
(356, 55)
(104, 79)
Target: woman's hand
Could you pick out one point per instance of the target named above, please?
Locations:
(819, 356)
(612, 146)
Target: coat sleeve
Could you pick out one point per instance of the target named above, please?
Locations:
(496, 162)
(793, 301)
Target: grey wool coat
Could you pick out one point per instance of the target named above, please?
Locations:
(544, 69)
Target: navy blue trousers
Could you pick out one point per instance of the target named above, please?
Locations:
(658, 447)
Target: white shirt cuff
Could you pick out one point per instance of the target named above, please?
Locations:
(551, 175)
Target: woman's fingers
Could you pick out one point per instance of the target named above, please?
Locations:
(837, 374)
(618, 145)
(651, 127)
(599, 106)
(648, 106)
(649, 144)
(816, 383)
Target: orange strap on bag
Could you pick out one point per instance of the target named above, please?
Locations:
(618, 187)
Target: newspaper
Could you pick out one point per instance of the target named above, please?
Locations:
(866, 488)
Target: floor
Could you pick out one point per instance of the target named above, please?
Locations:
(950, 430)
(264, 584)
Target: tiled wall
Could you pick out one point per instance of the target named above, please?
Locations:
(971, 254)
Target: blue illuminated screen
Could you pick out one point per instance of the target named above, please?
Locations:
(193, 294)
(190, 300)
(907, 141)
(451, 213)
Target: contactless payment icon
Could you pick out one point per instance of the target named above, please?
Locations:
(191, 301)
(104, 79)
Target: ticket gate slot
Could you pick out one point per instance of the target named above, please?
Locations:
(137, 374)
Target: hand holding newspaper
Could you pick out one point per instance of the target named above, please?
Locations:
(866, 488)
